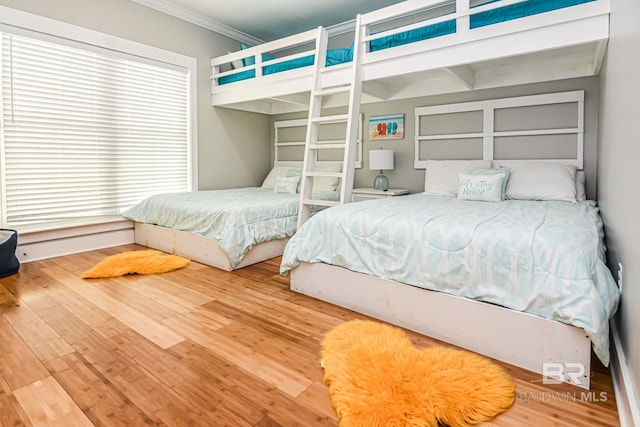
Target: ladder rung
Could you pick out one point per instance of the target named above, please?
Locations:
(337, 67)
(332, 90)
(288, 144)
(324, 146)
(331, 119)
(327, 174)
(312, 202)
(331, 141)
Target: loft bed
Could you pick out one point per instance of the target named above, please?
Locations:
(233, 228)
(522, 280)
(446, 46)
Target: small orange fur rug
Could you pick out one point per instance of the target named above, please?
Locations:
(376, 377)
(147, 261)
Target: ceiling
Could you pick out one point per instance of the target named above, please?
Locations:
(267, 20)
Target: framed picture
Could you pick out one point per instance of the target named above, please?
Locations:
(386, 127)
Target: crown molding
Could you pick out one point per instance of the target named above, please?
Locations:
(200, 20)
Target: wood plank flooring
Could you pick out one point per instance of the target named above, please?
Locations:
(198, 346)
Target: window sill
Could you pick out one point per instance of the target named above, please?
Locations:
(71, 228)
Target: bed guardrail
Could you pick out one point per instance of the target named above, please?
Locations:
(451, 22)
(255, 58)
(435, 18)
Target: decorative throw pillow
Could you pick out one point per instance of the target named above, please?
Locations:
(490, 171)
(277, 171)
(286, 184)
(441, 176)
(486, 188)
(297, 173)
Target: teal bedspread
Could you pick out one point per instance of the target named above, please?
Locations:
(544, 258)
(237, 218)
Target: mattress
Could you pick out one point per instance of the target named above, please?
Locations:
(543, 258)
(520, 10)
(238, 218)
(334, 57)
(412, 36)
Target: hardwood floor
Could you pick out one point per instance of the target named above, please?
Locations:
(198, 346)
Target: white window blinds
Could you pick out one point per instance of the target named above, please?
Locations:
(87, 132)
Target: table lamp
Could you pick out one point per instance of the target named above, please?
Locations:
(381, 160)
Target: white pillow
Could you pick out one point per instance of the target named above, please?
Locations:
(326, 183)
(270, 180)
(581, 193)
(441, 177)
(237, 63)
(541, 181)
(286, 184)
(486, 188)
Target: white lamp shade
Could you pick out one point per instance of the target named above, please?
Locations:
(381, 159)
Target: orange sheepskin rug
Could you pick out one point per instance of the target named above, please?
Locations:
(147, 261)
(376, 377)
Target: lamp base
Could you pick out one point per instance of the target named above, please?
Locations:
(381, 182)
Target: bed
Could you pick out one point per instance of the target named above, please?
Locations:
(473, 250)
(229, 228)
(501, 256)
(456, 45)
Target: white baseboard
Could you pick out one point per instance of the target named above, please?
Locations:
(51, 244)
(623, 384)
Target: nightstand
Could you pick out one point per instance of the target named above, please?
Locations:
(359, 194)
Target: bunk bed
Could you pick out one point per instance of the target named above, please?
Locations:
(521, 280)
(421, 48)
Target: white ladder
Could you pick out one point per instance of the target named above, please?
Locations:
(316, 119)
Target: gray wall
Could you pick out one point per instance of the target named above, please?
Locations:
(229, 155)
(405, 176)
(618, 171)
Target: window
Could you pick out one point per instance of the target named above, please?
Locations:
(86, 132)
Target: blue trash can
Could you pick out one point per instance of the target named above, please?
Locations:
(9, 264)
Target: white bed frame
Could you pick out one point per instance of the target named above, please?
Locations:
(200, 248)
(518, 338)
(564, 43)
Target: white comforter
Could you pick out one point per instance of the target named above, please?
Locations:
(238, 218)
(545, 258)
